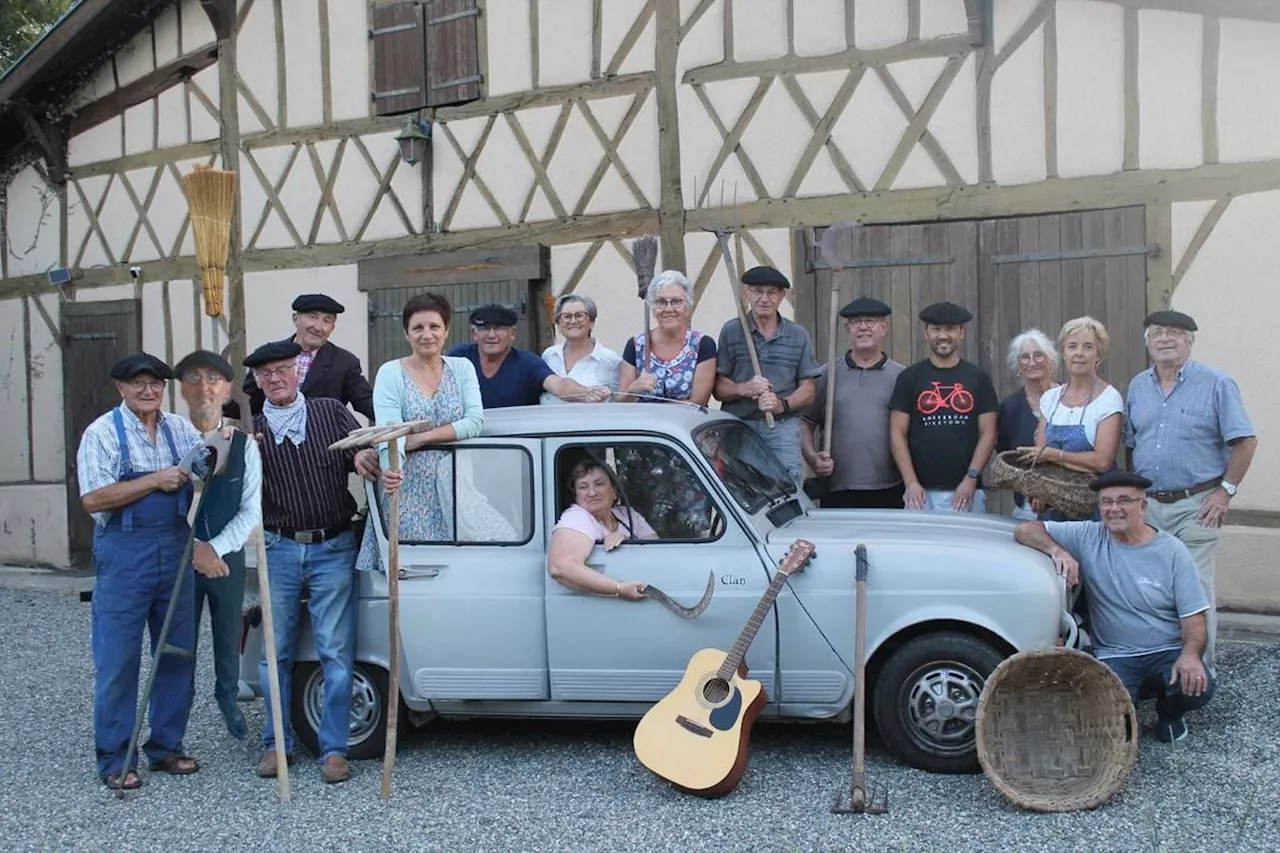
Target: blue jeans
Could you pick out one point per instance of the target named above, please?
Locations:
(784, 440)
(1146, 675)
(326, 570)
(940, 501)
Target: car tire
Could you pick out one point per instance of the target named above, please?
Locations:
(925, 700)
(369, 686)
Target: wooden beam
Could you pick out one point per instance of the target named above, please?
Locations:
(222, 17)
(1051, 95)
(728, 70)
(272, 193)
(51, 139)
(975, 15)
(610, 147)
(694, 17)
(282, 77)
(1159, 225)
(597, 36)
(524, 263)
(143, 89)
(229, 153)
(1255, 10)
(1024, 30)
(1132, 124)
(731, 139)
(1198, 240)
(630, 38)
(918, 126)
(1209, 87)
(822, 128)
(671, 215)
(540, 167)
(534, 39)
(986, 71)
(913, 20)
(607, 87)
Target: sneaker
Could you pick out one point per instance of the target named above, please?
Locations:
(1171, 731)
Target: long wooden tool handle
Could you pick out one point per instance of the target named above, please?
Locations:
(393, 610)
(832, 332)
(273, 671)
(858, 795)
(735, 270)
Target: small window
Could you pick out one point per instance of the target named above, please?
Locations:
(425, 54)
(655, 483)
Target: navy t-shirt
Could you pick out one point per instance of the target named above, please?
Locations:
(518, 381)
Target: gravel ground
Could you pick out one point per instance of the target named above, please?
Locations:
(489, 786)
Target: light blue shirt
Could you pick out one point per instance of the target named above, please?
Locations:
(388, 400)
(1180, 440)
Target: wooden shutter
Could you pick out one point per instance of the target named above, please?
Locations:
(399, 57)
(453, 55)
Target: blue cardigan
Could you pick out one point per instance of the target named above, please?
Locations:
(388, 400)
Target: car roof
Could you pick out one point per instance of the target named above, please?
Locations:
(674, 419)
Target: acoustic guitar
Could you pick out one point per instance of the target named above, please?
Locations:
(696, 736)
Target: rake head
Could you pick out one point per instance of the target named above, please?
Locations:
(861, 801)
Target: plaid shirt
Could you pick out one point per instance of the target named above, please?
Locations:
(304, 361)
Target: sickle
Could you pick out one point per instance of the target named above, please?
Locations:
(679, 609)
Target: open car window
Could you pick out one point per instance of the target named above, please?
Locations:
(745, 464)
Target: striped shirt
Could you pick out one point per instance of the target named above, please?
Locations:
(304, 487)
(1180, 440)
(98, 458)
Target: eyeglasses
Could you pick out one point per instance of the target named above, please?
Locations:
(868, 322)
(1166, 332)
(773, 294)
(281, 371)
(663, 304)
(575, 317)
(205, 378)
(1036, 357)
(146, 384)
(1123, 503)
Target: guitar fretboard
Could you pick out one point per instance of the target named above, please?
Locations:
(740, 646)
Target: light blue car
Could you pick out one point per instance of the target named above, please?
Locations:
(487, 632)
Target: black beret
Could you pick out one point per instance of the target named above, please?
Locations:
(318, 302)
(1175, 319)
(765, 276)
(276, 351)
(141, 362)
(1119, 478)
(866, 307)
(945, 314)
(205, 358)
(494, 315)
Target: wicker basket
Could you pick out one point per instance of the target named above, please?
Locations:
(1061, 488)
(1056, 731)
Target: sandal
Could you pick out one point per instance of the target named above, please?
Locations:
(132, 781)
(176, 765)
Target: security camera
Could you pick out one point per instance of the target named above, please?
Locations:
(136, 272)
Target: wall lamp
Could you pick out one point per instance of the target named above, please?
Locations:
(414, 141)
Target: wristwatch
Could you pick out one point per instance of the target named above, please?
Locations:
(786, 405)
(1229, 488)
(974, 473)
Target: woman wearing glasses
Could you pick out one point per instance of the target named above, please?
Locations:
(579, 355)
(674, 361)
(1035, 361)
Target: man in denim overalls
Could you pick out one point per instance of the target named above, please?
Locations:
(130, 481)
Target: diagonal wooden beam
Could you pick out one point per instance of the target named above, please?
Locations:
(384, 188)
(1200, 238)
(91, 213)
(273, 198)
(142, 207)
(628, 257)
(1024, 31)
(694, 17)
(326, 182)
(731, 140)
(469, 164)
(610, 147)
(194, 89)
(918, 125)
(580, 270)
(709, 266)
(254, 106)
(540, 176)
(822, 128)
(629, 40)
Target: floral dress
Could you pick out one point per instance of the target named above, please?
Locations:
(674, 377)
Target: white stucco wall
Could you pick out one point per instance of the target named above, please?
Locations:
(33, 525)
(1248, 109)
(31, 224)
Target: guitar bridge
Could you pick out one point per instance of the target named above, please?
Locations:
(696, 728)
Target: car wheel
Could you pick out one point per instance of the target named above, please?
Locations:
(368, 722)
(926, 700)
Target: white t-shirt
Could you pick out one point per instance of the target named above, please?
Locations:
(1101, 407)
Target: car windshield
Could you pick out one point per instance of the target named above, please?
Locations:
(745, 464)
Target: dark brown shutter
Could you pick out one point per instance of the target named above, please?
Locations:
(453, 55)
(399, 57)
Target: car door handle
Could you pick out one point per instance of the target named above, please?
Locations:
(419, 572)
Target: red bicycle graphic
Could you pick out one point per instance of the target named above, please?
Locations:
(956, 398)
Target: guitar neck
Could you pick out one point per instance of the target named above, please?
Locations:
(739, 650)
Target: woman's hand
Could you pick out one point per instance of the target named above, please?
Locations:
(631, 590)
(614, 539)
(1031, 455)
(645, 384)
(391, 481)
(1038, 506)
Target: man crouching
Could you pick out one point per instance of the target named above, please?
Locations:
(1146, 606)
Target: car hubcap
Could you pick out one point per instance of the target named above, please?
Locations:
(366, 705)
(941, 705)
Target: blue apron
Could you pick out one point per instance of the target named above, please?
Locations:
(1069, 438)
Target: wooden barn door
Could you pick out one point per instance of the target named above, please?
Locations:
(95, 335)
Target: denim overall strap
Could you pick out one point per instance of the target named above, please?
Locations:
(126, 465)
(184, 495)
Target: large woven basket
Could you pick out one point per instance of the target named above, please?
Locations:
(1056, 731)
(1057, 487)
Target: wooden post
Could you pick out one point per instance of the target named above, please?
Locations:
(393, 611)
(832, 349)
(273, 672)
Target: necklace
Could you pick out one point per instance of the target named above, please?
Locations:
(1085, 400)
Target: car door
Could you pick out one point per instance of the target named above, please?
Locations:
(472, 623)
(605, 649)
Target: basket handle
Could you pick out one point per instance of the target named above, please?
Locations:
(1039, 453)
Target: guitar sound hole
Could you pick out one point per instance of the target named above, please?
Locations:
(715, 690)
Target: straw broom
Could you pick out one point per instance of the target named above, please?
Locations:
(211, 196)
(646, 254)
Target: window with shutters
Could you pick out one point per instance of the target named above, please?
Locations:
(425, 54)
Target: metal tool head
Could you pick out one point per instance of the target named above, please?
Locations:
(861, 802)
(679, 609)
(209, 459)
(828, 245)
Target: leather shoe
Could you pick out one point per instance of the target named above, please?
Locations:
(267, 766)
(335, 769)
(234, 719)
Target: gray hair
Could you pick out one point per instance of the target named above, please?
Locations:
(665, 278)
(1038, 339)
(587, 302)
(1146, 336)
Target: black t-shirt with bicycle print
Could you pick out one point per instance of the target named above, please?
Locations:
(944, 404)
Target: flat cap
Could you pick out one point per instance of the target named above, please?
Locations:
(1119, 478)
(865, 306)
(204, 358)
(765, 276)
(140, 362)
(318, 302)
(274, 351)
(1174, 319)
(945, 314)
(494, 315)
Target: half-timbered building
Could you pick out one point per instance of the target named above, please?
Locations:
(1033, 159)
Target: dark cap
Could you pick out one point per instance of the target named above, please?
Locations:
(761, 276)
(1119, 478)
(141, 362)
(945, 314)
(275, 351)
(204, 358)
(318, 302)
(1174, 319)
(494, 315)
(866, 307)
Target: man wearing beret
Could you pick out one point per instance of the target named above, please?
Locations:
(229, 513)
(1187, 432)
(860, 465)
(943, 425)
(324, 369)
(786, 386)
(310, 547)
(1147, 608)
(133, 485)
(510, 376)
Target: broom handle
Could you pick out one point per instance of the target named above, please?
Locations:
(832, 332)
(393, 606)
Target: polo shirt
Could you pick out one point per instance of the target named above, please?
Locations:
(785, 360)
(518, 381)
(860, 424)
(598, 367)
